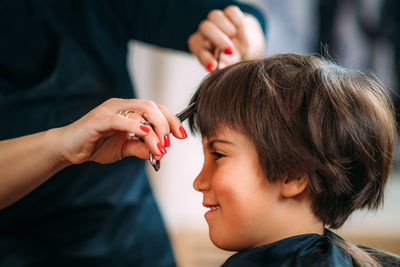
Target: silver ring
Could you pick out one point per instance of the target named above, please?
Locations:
(143, 122)
(132, 135)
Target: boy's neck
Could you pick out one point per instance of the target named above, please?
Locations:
(294, 218)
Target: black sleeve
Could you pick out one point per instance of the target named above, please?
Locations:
(169, 23)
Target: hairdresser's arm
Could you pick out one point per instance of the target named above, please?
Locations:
(100, 136)
(27, 162)
(169, 23)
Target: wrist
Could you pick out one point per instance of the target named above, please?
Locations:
(57, 148)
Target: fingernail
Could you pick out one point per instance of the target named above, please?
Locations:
(166, 140)
(161, 148)
(183, 132)
(228, 50)
(233, 36)
(144, 128)
(210, 66)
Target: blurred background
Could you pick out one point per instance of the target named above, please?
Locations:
(362, 34)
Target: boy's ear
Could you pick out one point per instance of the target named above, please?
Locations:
(292, 186)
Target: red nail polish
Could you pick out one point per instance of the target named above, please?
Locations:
(228, 50)
(166, 140)
(183, 132)
(144, 128)
(210, 66)
(233, 36)
(161, 148)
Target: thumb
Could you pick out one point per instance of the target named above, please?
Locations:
(137, 149)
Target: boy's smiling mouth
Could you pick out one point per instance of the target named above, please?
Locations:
(213, 208)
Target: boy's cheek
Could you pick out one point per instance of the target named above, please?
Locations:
(226, 191)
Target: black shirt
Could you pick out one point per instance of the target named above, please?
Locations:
(304, 250)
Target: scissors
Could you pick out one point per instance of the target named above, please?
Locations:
(182, 116)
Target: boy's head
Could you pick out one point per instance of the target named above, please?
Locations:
(319, 134)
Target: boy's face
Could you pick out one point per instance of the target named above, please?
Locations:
(243, 211)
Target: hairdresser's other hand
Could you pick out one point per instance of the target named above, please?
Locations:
(239, 36)
(102, 135)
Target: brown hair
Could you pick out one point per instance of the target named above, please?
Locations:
(307, 115)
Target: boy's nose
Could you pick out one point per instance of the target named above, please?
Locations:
(201, 183)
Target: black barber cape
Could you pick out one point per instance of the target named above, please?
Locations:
(299, 251)
(58, 60)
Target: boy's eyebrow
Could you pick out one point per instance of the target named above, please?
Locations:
(213, 141)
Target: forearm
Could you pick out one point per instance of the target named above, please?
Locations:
(26, 162)
(100, 136)
(179, 19)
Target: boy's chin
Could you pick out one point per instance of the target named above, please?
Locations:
(226, 243)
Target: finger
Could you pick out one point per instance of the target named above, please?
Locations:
(121, 123)
(135, 148)
(236, 16)
(165, 141)
(150, 112)
(239, 20)
(223, 23)
(144, 125)
(154, 144)
(216, 36)
(226, 60)
(174, 124)
(150, 142)
(203, 50)
(197, 42)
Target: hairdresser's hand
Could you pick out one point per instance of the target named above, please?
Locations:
(239, 36)
(102, 135)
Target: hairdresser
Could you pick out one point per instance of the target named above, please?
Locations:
(71, 194)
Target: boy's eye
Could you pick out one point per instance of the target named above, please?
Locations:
(217, 155)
